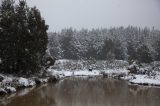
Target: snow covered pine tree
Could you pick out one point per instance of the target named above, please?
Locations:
(23, 37)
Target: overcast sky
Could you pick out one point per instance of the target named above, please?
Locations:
(79, 14)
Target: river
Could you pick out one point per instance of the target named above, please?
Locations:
(85, 92)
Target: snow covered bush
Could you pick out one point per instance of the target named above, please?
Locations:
(133, 68)
(72, 65)
(149, 69)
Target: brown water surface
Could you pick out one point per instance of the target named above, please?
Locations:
(85, 92)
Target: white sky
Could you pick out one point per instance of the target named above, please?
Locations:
(79, 14)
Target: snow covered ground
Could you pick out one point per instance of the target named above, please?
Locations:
(62, 74)
(69, 68)
(146, 80)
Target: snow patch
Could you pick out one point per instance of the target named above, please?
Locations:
(63, 73)
(144, 79)
(23, 82)
(10, 89)
(86, 73)
(7, 80)
(116, 71)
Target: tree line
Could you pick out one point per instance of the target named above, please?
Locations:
(130, 43)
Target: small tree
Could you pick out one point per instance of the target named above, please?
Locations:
(66, 42)
(131, 51)
(108, 50)
(157, 48)
(23, 33)
(144, 54)
(118, 50)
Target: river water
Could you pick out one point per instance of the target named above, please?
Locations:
(85, 92)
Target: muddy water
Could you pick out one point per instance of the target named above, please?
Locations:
(85, 92)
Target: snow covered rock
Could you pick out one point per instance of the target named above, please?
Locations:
(10, 89)
(2, 91)
(31, 83)
(23, 82)
(41, 80)
(7, 81)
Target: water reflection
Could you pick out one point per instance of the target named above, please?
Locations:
(89, 92)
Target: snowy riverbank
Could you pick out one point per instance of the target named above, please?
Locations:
(10, 83)
(66, 68)
(143, 74)
(144, 80)
(123, 74)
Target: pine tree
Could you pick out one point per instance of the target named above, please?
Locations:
(67, 44)
(157, 48)
(23, 37)
(144, 55)
(131, 51)
(108, 50)
(118, 50)
(7, 32)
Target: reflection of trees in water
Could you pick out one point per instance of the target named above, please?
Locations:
(100, 92)
(148, 96)
(31, 97)
(96, 92)
(89, 92)
(4, 100)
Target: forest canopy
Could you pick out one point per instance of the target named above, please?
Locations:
(130, 43)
